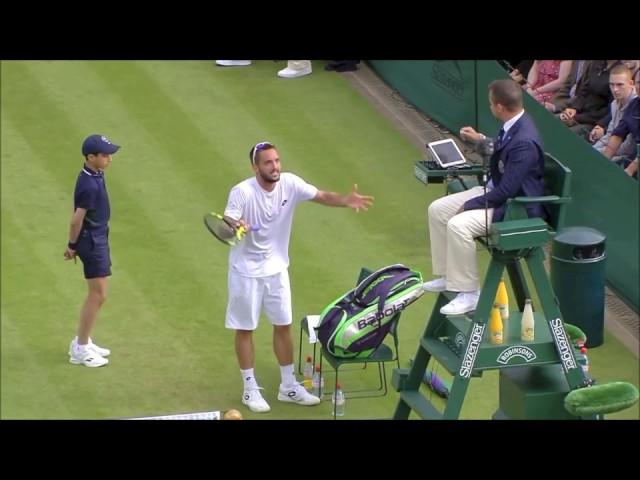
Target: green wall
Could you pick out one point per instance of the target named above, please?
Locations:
(443, 88)
(454, 93)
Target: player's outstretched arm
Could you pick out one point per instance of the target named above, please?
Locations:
(352, 199)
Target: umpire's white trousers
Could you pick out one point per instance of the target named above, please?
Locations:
(453, 250)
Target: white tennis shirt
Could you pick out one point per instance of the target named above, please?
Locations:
(265, 251)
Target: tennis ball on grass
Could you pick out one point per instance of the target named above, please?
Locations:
(232, 414)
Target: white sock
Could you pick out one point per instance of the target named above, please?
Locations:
(288, 375)
(249, 379)
(77, 348)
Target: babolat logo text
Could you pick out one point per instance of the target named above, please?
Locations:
(389, 310)
(560, 337)
(472, 350)
(519, 351)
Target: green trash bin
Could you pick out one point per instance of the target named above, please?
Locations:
(578, 276)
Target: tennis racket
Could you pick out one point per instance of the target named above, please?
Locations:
(224, 230)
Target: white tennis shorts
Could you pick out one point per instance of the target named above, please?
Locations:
(248, 296)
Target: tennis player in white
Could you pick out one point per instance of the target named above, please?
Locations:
(258, 266)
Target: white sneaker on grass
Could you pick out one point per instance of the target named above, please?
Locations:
(103, 352)
(297, 394)
(291, 73)
(88, 358)
(253, 399)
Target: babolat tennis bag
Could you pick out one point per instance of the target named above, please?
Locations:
(355, 324)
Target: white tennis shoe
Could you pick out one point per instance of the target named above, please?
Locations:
(103, 352)
(88, 358)
(253, 399)
(463, 303)
(297, 394)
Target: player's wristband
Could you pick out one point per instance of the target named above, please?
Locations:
(72, 245)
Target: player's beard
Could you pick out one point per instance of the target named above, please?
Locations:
(270, 178)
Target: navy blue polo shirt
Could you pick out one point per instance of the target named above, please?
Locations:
(91, 194)
(630, 122)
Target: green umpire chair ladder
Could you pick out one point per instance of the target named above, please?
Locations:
(460, 343)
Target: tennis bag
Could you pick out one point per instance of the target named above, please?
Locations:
(356, 323)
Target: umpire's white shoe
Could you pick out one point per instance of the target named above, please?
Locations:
(437, 285)
(297, 394)
(253, 399)
(103, 352)
(88, 358)
(463, 303)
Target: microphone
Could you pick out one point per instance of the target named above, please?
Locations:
(485, 147)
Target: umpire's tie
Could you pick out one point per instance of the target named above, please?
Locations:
(500, 138)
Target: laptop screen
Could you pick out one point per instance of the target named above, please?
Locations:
(446, 153)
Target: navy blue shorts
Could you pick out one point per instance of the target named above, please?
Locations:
(93, 250)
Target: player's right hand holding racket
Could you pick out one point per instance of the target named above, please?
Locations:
(227, 230)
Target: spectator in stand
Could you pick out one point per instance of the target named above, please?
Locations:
(634, 66)
(591, 100)
(632, 168)
(623, 91)
(630, 124)
(520, 72)
(568, 89)
(546, 77)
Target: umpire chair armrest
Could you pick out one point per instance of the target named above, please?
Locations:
(543, 199)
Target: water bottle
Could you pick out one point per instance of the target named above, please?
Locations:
(527, 327)
(338, 401)
(585, 362)
(307, 373)
(317, 382)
